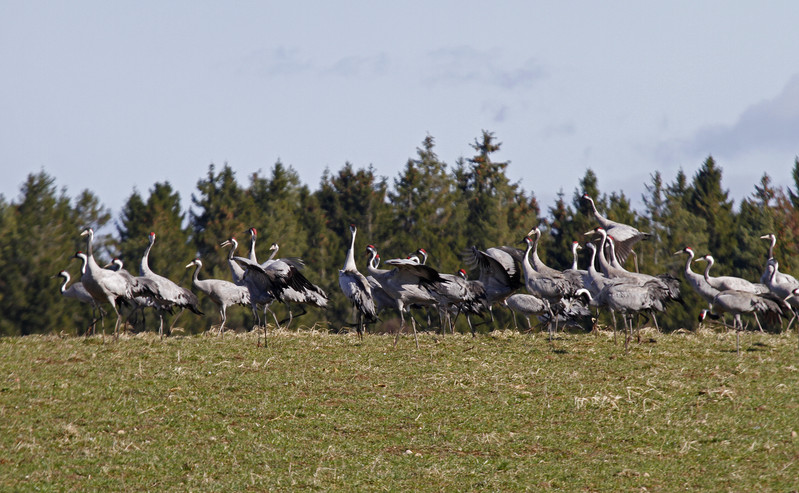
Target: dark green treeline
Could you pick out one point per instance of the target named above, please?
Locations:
(429, 204)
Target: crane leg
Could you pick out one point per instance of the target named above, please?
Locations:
(174, 321)
(415, 338)
(399, 331)
(224, 318)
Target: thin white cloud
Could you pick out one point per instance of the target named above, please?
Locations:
(467, 65)
(352, 66)
(771, 125)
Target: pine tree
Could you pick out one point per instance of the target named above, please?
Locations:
(709, 202)
(421, 203)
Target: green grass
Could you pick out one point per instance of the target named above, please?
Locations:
(506, 411)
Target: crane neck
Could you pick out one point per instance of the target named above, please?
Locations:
(688, 270)
(528, 268)
(65, 275)
(144, 267)
(196, 276)
(603, 261)
(707, 269)
(592, 266)
(349, 263)
(252, 249)
(574, 254)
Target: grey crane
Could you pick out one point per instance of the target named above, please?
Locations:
(626, 298)
(407, 284)
(77, 291)
(236, 271)
(259, 295)
(293, 261)
(106, 286)
(727, 283)
(535, 261)
(739, 302)
(169, 293)
(459, 294)
(356, 288)
(284, 282)
(222, 293)
(139, 302)
(697, 281)
(550, 288)
(578, 277)
(626, 236)
(527, 305)
(772, 238)
(500, 274)
(381, 298)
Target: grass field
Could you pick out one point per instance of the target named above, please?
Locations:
(505, 411)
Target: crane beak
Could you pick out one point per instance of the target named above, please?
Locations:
(190, 265)
(678, 252)
(225, 243)
(765, 237)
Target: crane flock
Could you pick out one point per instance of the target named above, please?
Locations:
(556, 297)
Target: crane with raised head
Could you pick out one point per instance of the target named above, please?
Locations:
(169, 294)
(626, 236)
(356, 288)
(107, 286)
(259, 295)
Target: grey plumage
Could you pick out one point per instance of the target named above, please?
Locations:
(169, 293)
(104, 285)
(355, 286)
(697, 281)
(406, 284)
(740, 302)
(222, 293)
(259, 294)
(626, 236)
(729, 283)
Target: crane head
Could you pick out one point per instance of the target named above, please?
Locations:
(152, 236)
(687, 250)
(352, 228)
(87, 231)
(197, 262)
(462, 273)
(252, 232)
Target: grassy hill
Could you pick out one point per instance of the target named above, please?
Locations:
(506, 411)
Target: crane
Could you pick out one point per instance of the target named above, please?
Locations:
(104, 285)
(356, 288)
(259, 295)
(139, 302)
(169, 293)
(739, 302)
(499, 274)
(727, 283)
(222, 293)
(626, 236)
(697, 281)
(527, 304)
(406, 284)
(550, 288)
(78, 292)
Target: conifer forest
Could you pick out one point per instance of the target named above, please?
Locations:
(446, 209)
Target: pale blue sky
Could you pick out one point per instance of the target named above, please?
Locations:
(116, 95)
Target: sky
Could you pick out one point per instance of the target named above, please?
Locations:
(116, 96)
